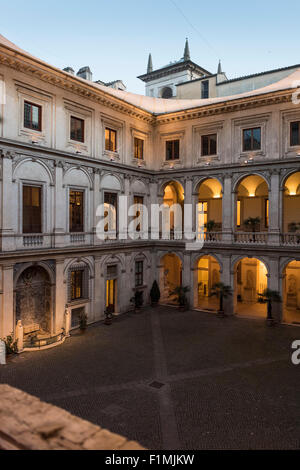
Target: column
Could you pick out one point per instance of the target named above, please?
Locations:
(98, 296)
(227, 278)
(8, 215)
(228, 210)
(188, 199)
(187, 279)
(60, 297)
(7, 322)
(152, 200)
(275, 202)
(275, 279)
(97, 202)
(60, 222)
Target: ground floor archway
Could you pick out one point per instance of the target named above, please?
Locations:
(251, 279)
(33, 301)
(291, 293)
(207, 275)
(170, 276)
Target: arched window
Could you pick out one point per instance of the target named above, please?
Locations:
(167, 93)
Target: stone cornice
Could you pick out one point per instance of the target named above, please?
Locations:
(239, 104)
(53, 76)
(47, 73)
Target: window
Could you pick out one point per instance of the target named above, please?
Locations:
(110, 200)
(266, 213)
(205, 89)
(32, 214)
(77, 129)
(209, 145)
(139, 273)
(295, 133)
(138, 148)
(76, 211)
(167, 93)
(77, 284)
(110, 140)
(32, 116)
(252, 139)
(139, 201)
(172, 150)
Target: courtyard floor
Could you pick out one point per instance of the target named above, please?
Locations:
(174, 380)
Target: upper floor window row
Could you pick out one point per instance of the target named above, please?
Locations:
(32, 116)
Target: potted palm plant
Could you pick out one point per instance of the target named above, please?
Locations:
(210, 228)
(180, 293)
(268, 297)
(154, 294)
(221, 291)
(252, 223)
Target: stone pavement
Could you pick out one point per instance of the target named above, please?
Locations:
(174, 380)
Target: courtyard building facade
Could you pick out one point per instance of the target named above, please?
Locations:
(69, 145)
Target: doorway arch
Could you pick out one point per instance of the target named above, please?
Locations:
(251, 279)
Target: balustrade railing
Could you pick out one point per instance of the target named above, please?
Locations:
(33, 240)
(292, 239)
(251, 238)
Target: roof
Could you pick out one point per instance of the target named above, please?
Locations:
(267, 72)
(178, 65)
(159, 106)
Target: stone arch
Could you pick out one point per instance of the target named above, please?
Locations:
(167, 92)
(38, 171)
(166, 182)
(202, 180)
(25, 266)
(207, 271)
(87, 262)
(286, 176)
(112, 181)
(170, 274)
(246, 175)
(138, 187)
(251, 278)
(85, 181)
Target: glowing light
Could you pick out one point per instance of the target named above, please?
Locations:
(217, 196)
(251, 195)
(292, 193)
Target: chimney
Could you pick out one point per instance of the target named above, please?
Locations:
(85, 72)
(69, 70)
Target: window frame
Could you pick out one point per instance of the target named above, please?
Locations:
(252, 129)
(208, 136)
(291, 123)
(110, 130)
(75, 139)
(173, 158)
(75, 287)
(39, 107)
(136, 148)
(71, 226)
(40, 188)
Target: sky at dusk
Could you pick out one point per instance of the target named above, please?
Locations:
(114, 38)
